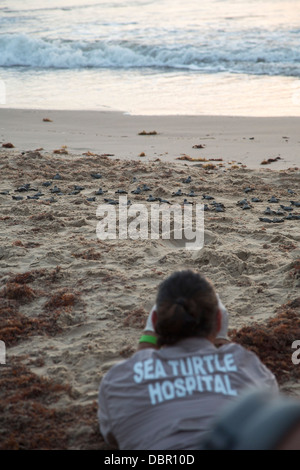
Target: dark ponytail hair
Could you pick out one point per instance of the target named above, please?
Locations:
(187, 306)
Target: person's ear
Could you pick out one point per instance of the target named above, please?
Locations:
(219, 320)
(154, 318)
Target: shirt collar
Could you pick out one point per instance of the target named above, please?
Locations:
(193, 344)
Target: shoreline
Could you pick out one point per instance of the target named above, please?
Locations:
(245, 140)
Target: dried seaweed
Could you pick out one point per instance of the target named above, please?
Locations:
(42, 216)
(18, 292)
(63, 298)
(37, 275)
(16, 327)
(90, 254)
(8, 145)
(270, 160)
(192, 159)
(272, 341)
(136, 318)
(30, 420)
(295, 272)
(147, 133)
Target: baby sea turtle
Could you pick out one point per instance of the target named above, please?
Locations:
(128, 203)
(286, 208)
(47, 183)
(218, 203)
(270, 221)
(151, 198)
(256, 199)
(55, 190)
(137, 190)
(96, 176)
(51, 199)
(187, 180)
(248, 190)
(4, 192)
(33, 197)
(273, 199)
(91, 199)
(293, 217)
(192, 194)
(120, 191)
(185, 201)
(178, 193)
(57, 177)
(294, 203)
(17, 198)
(78, 188)
(111, 201)
(290, 191)
(269, 211)
(23, 188)
(146, 188)
(205, 207)
(100, 192)
(246, 207)
(73, 193)
(242, 202)
(204, 196)
(218, 208)
(163, 200)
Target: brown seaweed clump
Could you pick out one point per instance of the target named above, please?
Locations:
(270, 160)
(62, 298)
(90, 254)
(272, 341)
(42, 275)
(295, 272)
(136, 318)
(147, 133)
(16, 327)
(19, 292)
(8, 145)
(31, 421)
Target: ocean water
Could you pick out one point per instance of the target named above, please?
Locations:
(203, 57)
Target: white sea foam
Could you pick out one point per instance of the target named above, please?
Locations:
(32, 51)
(144, 56)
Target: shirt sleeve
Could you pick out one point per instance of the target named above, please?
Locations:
(260, 373)
(105, 423)
(250, 369)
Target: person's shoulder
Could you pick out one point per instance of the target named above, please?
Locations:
(250, 361)
(230, 346)
(240, 352)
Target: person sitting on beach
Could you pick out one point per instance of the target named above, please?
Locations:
(184, 373)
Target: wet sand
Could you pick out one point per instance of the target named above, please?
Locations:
(247, 140)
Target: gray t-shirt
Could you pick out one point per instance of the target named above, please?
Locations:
(166, 399)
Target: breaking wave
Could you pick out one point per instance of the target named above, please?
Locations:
(30, 51)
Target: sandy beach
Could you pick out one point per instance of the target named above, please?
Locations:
(72, 305)
(241, 139)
